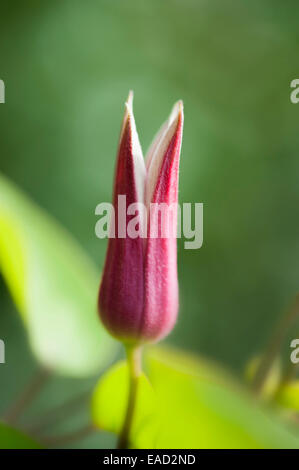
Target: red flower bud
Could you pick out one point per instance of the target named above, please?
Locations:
(138, 299)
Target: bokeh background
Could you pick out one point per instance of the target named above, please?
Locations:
(68, 66)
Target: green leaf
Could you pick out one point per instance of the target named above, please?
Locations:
(288, 396)
(12, 439)
(108, 404)
(54, 286)
(194, 404)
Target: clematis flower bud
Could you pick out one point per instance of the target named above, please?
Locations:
(138, 298)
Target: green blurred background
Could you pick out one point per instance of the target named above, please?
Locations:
(68, 66)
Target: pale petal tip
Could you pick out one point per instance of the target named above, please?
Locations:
(180, 106)
(129, 102)
(177, 111)
(128, 111)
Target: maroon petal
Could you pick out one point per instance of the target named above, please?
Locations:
(121, 295)
(161, 282)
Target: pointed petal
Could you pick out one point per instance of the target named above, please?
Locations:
(155, 144)
(122, 292)
(159, 147)
(161, 283)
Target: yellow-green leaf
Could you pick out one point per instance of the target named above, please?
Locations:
(54, 286)
(194, 404)
(108, 405)
(288, 396)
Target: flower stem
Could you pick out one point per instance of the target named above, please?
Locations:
(134, 366)
(63, 439)
(288, 376)
(58, 413)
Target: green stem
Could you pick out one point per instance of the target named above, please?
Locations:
(59, 413)
(275, 345)
(55, 441)
(134, 365)
(27, 396)
(288, 376)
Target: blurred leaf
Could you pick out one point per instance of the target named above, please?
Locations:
(54, 286)
(12, 439)
(196, 405)
(288, 396)
(273, 376)
(110, 397)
